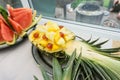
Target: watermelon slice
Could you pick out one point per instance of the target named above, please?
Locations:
(1, 38)
(16, 26)
(24, 19)
(22, 16)
(2, 41)
(7, 34)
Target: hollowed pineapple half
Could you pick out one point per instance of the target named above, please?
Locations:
(51, 38)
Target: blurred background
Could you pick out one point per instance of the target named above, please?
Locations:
(95, 12)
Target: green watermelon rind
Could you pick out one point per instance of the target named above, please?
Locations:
(2, 42)
(13, 41)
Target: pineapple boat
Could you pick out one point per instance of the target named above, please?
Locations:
(95, 63)
(51, 38)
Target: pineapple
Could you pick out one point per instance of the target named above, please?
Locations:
(51, 38)
(87, 60)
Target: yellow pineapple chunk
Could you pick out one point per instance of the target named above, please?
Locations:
(43, 43)
(57, 37)
(50, 35)
(69, 37)
(55, 47)
(42, 28)
(51, 26)
(61, 41)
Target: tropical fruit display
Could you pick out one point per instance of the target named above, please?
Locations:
(15, 22)
(87, 59)
(51, 38)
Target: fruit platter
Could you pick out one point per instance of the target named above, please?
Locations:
(15, 24)
(66, 56)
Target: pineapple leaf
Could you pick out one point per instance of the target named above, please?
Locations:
(89, 39)
(68, 69)
(57, 70)
(100, 44)
(44, 73)
(76, 67)
(111, 50)
(92, 42)
(86, 71)
(88, 68)
(35, 78)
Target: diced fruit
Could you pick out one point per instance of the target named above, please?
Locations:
(52, 40)
(44, 37)
(55, 47)
(62, 34)
(61, 41)
(43, 43)
(57, 37)
(61, 26)
(69, 37)
(35, 35)
(49, 45)
(50, 35)
(52, 26)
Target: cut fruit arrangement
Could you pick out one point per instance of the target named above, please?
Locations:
(51, 38)
(87, 60)
(15, 22)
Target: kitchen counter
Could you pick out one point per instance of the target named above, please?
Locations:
(17, 62)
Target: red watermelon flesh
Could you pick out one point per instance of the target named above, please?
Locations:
(17, 27)
(1, 38)
(6, 32)
(20, 9)
(14, 14)
(24, 19)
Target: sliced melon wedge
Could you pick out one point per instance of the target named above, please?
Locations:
(7, 34)
(2, 41)
(13, 41)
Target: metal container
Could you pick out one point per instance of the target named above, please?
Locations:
(89, 13)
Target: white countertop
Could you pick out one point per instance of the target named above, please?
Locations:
(17, 63)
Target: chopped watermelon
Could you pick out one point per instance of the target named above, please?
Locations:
(6, 32)
(17, 27)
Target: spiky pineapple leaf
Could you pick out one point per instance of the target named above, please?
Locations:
(100, 44)
(44, 73)
(57, 70)
(68, 69)
(92, 42)
(110, 50)
(76, 67)
(35, 78)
